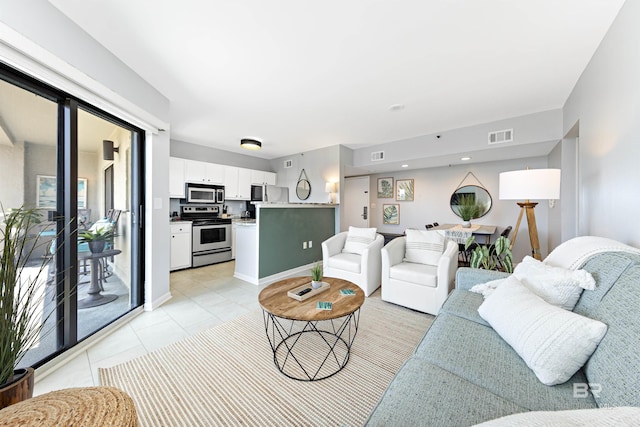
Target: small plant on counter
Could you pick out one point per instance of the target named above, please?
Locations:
(493, 257)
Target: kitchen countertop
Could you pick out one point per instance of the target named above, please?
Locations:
(178, 221)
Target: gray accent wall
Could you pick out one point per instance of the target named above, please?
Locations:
(187, 150)
(605, 105)
(282, 231)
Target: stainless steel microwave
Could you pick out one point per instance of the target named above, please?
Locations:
(203, 193)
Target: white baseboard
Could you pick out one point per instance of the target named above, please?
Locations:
(285, 274)
(152, 305)
(246, 278)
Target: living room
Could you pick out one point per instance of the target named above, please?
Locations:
(598, 115)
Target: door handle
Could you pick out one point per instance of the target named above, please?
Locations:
(364, 212)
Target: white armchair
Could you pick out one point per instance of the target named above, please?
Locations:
(362, 269)
(418, 286)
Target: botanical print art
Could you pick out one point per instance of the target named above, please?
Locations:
(391, 214)
(385, 188)
(404, 190)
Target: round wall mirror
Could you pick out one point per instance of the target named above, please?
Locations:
(303, 189)
(470, 201)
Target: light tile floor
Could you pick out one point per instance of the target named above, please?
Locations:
(202, 297)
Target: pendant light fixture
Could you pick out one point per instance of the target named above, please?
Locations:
(250, 144)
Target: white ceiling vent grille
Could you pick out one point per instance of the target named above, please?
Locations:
(501, 136)
(288, 164)
(376, 156)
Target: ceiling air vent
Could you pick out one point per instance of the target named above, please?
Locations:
(501, 136)
(376, 156)
(288, 163)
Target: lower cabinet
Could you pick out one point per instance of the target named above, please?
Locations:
(233, 241)
(180, 245)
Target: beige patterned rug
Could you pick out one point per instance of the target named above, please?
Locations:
(226, 375)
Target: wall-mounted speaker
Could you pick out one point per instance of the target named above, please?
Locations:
(108, 149)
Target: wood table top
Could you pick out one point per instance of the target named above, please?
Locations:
(275, 300)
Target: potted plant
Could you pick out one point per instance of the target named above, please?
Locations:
(468, 209)
(497, 256)
(22, 317)
(316, 276)
(96, 239)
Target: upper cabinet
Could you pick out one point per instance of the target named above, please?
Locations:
(208, 173)
(263, 177)
(237, 181)
(176, 177)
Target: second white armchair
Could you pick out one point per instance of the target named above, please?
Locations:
(356, 259)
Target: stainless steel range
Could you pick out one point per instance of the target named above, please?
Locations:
(211, 235)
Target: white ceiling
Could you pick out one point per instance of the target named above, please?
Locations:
(304, 74)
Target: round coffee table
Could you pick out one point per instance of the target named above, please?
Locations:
(310, 344)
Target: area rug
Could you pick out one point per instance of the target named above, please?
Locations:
(225, 376)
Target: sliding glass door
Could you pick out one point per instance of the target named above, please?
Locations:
(82, 168)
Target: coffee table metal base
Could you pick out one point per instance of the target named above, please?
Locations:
(311, 350)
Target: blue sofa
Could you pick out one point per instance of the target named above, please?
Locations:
(463, 373)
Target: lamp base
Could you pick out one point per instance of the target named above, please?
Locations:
(528, 207)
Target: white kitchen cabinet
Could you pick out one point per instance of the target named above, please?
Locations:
(176, 177)
(180, 245)
(270, 178)
(209, 173)
(237, 183)
(262, 177)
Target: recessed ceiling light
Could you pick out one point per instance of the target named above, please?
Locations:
(396, 107)
(464, 159)
(405, 166)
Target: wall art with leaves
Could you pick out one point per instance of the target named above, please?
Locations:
(404, 190)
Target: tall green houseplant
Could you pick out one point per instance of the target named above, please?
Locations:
(467, 207)
(22, 320)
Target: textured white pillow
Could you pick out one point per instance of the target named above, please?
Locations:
(487, 289)
(424, 247)
(612, 417)
(358, 239)
(555, 285)
(553, 342)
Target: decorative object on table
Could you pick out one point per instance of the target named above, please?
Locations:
(479, 194)
(324, 305)
(391, 214)
(404, 190)
(301, 293)
(347, 292)
(303, 187)
(97, 238)
(46, 192)
(330, 187)
(467, 209)
(527, 185)
(316, 275)
(385, 188)
(497, 256)
(22, 319)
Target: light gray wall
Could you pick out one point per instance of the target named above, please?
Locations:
(11, 166)
(606, 103)
(187, 150)
(433, 188)
(320, 166)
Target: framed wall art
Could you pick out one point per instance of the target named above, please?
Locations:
(385, 188)
(391, 214)
(47, 188)
(404, 190)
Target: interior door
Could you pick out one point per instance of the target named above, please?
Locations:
(356, 203)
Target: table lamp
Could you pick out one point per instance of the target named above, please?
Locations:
(330, 187)
(527, 185)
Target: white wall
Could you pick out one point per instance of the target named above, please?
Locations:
(606, 105)
(433, 188)
(11, 167)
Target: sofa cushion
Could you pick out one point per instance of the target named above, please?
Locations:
(478, 354)
(422, 394)
(583, 417)
(420, 274)
(554, 343)
(424, 247)
(464, 304)
(358, 239)
(345, 261)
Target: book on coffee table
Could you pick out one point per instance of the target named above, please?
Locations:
(347, 292)
(324, 305)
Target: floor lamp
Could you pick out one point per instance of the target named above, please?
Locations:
(527, 185)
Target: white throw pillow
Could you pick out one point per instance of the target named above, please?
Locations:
(487, 289)
(555, 285)
(424, 247)
(358, 239)
(619, 416)
(553, 342)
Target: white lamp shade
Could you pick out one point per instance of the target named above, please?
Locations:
(330, 187)
(530, 184)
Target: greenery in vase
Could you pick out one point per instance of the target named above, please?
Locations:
(101, 233)
(493, 257)
(316, 272)
(467, 207)
(22, 296)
